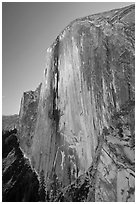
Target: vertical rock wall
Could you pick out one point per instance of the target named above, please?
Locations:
(28, 118)
(89, 76)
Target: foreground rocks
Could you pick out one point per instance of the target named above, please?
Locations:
(77, 128)
(19, 182)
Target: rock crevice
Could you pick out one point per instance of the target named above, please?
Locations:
(88, 88)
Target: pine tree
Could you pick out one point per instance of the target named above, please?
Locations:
(69, 173)
(42, 188)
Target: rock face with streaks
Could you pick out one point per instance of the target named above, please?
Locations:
(79, 124)
(28, 117)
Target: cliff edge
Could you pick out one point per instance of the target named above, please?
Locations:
(79, 123)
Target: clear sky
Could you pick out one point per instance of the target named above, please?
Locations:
(28, 29)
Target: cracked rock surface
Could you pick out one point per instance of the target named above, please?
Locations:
(78, 126)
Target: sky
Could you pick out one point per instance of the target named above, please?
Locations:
(28, 29)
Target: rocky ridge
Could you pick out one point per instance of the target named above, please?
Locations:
(10, 122)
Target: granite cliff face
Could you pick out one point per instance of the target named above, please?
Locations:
(79, 124)
(28, 117)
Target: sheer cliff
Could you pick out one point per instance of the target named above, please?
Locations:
(78, 126)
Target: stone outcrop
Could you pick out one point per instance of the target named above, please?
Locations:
(79, 123)
(28, 118)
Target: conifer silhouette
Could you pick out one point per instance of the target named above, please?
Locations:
(42, 187)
